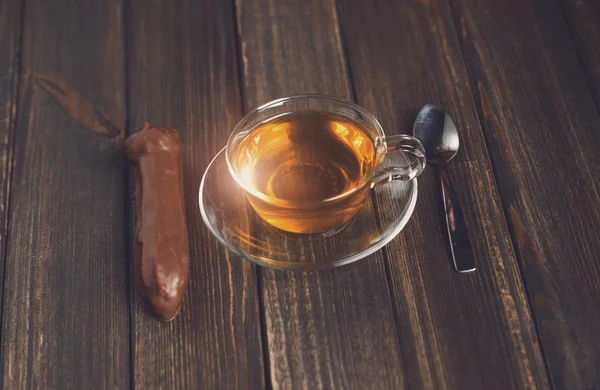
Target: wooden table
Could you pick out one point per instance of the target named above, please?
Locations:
(522, 81)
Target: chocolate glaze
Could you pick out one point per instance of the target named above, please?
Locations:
(160, 242)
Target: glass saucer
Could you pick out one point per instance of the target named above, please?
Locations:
(229, 216)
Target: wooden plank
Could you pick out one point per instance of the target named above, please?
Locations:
(541, 126)
(10, 42)
(583, 18)
(65, 320)
(329, 329)
(465, 331)
(183, 74)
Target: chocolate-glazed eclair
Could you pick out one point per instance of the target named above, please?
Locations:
(161, 256)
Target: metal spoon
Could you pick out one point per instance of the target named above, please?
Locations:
(437, 132)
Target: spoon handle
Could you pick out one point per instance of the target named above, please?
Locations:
(460, 245)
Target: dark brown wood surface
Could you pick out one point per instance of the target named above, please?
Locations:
(541, 126)
(522, 81)
(65, 311)
(478, 322)
(583, 18)
(10, 41)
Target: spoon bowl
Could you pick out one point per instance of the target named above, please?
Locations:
(437, 132)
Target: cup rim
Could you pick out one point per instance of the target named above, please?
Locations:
(379, 146)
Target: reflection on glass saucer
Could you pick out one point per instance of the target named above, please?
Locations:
(236, 225)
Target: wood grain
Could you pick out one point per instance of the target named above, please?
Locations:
(331, 329)
(463, 331)
(541, 126)
(183, 74)
(10, 42)
(65, 321)
(583, 19)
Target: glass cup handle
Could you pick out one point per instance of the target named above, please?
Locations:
(409, 146)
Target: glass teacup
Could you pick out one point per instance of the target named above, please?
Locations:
(307, 163)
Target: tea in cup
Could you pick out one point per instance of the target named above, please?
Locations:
(307, 163)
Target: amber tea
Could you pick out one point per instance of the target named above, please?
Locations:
(310, 168)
